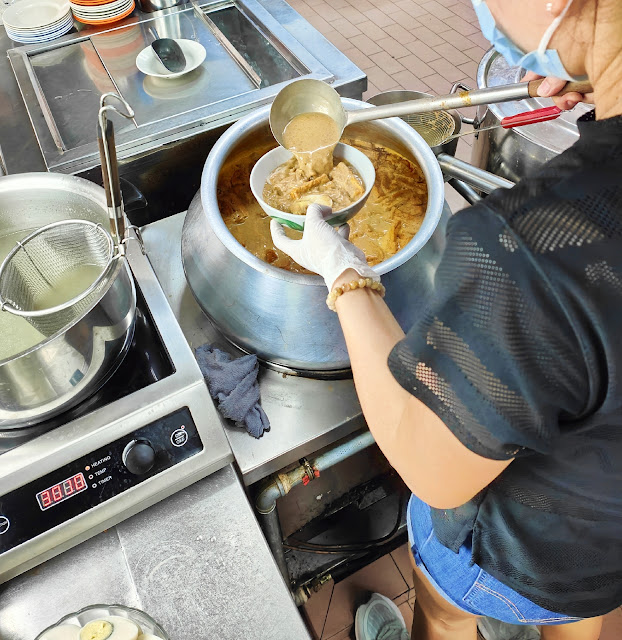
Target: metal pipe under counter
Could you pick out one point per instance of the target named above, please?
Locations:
(187, 561)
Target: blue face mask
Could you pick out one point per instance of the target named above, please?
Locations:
(543, 61)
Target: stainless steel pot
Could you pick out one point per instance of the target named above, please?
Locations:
(516, 153)
(67, 367)
(282, 316)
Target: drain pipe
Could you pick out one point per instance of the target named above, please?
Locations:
(281, 484)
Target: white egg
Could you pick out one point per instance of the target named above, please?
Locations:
(124, 629)
(96, 630)
(63, 632)
(110, 628)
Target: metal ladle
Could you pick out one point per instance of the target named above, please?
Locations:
(308, 95)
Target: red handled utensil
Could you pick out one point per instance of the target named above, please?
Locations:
(519, 120)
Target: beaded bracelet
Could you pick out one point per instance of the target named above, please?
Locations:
(361, 283)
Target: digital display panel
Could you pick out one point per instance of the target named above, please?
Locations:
(61, 491)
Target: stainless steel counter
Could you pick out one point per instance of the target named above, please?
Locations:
(305, 415)
(69, 142)
(197, 562)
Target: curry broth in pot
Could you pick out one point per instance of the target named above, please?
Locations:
(390, 218)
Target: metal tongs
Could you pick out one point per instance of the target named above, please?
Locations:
(110, 169)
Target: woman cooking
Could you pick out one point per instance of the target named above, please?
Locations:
(501, 408)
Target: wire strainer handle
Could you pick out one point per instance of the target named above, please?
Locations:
(110, 168)
(460, 86)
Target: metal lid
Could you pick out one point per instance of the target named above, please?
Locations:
(556, 135)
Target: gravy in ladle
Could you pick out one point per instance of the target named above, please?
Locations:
(312, 137)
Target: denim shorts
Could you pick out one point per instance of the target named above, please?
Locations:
(464, 584)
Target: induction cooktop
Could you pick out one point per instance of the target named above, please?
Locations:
(148, 432)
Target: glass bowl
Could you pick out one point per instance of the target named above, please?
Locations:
(97, 611)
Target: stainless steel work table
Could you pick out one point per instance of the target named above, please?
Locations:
(18, 143)
(305, 415)
(197, 562)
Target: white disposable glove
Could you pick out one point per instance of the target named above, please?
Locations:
(323, 249)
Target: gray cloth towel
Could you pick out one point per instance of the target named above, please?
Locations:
(233, 384)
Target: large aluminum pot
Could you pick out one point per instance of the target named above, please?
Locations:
(67, 367)
(516, 153)
(282, 316)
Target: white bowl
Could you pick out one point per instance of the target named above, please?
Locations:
(275, 158)
(28, 14)
(148, 62)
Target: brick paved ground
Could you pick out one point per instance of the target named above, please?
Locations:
(418, 45)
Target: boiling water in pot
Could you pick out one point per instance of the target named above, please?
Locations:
(16, 334)
(74, 282)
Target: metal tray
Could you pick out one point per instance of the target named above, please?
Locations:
(250, 56)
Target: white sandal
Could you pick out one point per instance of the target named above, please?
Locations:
(380, 619)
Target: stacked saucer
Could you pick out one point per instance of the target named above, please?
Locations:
(32, 21)
(101, 11)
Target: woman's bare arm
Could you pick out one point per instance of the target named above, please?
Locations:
(434, 464)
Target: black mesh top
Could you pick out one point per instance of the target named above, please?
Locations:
(519, 352)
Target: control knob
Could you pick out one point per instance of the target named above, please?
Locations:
(139, 457)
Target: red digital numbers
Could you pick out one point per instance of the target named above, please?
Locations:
(61, 491)
(68, 487)
(45, 499)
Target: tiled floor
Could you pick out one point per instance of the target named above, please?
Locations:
(418, 45)
(330, 612)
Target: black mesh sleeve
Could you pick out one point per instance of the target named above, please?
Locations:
(491, 351)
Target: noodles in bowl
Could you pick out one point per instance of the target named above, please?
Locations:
(286, 196)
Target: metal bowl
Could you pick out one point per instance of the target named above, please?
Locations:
(97, 611)
(54, 373)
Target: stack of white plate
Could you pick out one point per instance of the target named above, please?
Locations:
(32, 21)
(101, 11)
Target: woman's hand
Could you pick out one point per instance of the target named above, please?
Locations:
(323, 249)
(552, 86)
